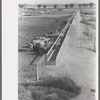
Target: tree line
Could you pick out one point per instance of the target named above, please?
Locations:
(69, 5)
(91, 4)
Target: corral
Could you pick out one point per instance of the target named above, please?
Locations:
(75, 60)
(31, 27)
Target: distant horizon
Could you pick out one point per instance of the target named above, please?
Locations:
(51, 2)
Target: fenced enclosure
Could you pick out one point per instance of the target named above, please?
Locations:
(50, 57)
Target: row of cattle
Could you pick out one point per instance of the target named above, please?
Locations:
(42, 44)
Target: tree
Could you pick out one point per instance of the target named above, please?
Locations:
(85, 4)
(44, 6)
(66, 5)
(71, 5)
(80, 5)
(55, 6)
(91, 4)
(39, 5)
(22, 5)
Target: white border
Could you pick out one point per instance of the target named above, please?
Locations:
(10, 47)
(9, 50)
(97, 46)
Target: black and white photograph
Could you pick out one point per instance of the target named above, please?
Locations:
(57, 49)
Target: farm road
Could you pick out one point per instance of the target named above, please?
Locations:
(76, 60)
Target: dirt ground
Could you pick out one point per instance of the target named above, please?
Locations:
(76, 60)
(30, 27)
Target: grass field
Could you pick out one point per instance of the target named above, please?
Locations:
(89, 20)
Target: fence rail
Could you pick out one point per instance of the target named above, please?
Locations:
(50, 52)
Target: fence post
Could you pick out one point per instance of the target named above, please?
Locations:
(45, 56)
(37, 79)
(45, 60)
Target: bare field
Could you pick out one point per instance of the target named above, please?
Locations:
(78, 63)
(30, 27)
